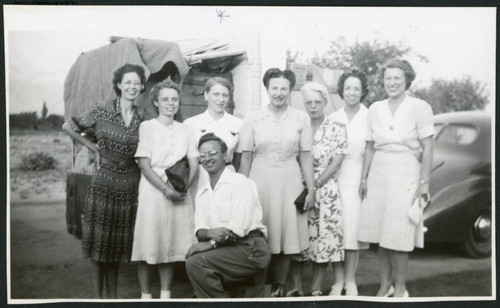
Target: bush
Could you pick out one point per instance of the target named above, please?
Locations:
(24, 120)
(38, 161)
(52, 122)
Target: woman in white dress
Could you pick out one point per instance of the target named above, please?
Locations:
(396, 170)
(165, 218)
(218, 93)
(352, 88)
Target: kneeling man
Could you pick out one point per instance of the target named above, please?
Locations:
(232, 244)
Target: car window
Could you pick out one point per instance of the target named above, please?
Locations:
(457, 134)
(437, 129)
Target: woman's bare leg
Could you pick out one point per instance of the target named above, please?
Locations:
(385, 271)
(399, 263)
(111, 274)
(319, 270)
(97, 277)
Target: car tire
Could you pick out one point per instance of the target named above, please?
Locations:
(477, 244)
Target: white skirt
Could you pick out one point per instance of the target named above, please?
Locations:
(349, 179)
(392, 182)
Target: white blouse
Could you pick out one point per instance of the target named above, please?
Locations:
(164, 145)
(227, 128)
(399, 132)
(356, 131)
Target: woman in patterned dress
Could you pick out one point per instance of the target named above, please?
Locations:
(398, 129)
(326, 237)
(279, 134)
(165, 218)
(109, 214)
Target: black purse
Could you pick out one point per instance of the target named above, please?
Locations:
(178, 175)
(301, 201)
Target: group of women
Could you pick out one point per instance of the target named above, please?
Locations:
(360, 168)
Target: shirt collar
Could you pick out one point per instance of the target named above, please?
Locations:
(267, 113)
(225, 177)
(208, 117)
(118, 110)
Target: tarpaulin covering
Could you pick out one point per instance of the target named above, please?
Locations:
(89, 80)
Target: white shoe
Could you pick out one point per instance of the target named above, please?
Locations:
(146, 296)
(390, 292)
(406, 294)
(165, 294)
(336, 290)
(351, 289)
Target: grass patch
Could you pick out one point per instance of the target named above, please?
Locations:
(467, 283)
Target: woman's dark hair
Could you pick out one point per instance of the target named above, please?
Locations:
(218, 80)
(128, 68)
(403, 65)
(165, 84)
(355, 74)
(213, 137)
(277, 73)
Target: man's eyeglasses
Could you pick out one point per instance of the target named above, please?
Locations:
(210, 154)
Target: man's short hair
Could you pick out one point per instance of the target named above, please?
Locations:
(213, 137)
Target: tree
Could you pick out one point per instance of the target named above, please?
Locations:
(44, 110)
(367, 56)
(454, 95)
(54, 121)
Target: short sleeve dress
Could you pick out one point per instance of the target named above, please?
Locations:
(349, 177)
(326, 235)
(276, 144)
(163, 228)
(109, 214)
(394, 172)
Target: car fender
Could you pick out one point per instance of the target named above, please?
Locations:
(454, 208)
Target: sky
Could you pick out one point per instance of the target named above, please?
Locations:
(42, 42)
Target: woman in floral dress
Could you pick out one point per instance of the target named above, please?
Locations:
(109, 214)
(326, 239)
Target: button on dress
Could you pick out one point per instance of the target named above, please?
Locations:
(276, 144)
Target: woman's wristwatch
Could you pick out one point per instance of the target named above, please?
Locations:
(422, 182)
(317, 183)
(213, 244)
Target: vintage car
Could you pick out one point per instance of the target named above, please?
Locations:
(460, 184)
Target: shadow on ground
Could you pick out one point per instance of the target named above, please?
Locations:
(46, 262)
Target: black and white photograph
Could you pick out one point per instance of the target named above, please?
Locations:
(248, 153)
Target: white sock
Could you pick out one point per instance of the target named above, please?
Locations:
(165, 294)
(146, 296)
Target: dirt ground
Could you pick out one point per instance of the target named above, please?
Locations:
(38, 185)
(46, 262)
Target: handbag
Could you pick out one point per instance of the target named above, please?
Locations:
(178, 174)
(300, 201)
(417, 209)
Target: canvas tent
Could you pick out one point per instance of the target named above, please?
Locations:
(89, 80)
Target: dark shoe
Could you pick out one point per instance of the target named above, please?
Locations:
(278, 290)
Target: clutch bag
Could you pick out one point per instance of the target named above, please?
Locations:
(417, 210)
(300, 201)
(178, 174)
